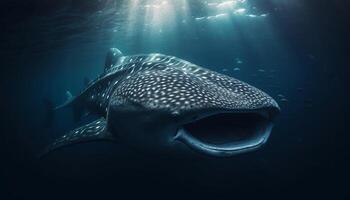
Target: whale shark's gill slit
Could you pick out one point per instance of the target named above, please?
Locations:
(227, 133)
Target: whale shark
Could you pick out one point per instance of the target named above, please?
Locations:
(157, 102)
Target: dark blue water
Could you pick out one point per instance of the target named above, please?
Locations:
(295, 51)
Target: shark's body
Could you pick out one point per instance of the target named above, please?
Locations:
(160, 102)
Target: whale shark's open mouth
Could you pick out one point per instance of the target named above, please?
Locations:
(226, 134)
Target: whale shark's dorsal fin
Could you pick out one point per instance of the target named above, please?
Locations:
(95, 131)
(69, 95)
(112, 58)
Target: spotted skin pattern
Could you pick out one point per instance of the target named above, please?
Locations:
(159, 82)
(164, 82)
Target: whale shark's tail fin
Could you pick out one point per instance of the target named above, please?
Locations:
(50, 108)
(71, 101)
(95, 131)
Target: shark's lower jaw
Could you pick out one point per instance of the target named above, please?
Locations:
(227, 134)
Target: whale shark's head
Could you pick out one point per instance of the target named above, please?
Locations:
(208, 112)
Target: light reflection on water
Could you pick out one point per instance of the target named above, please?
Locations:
(142, 19)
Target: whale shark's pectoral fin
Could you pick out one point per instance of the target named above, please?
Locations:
(95, 131)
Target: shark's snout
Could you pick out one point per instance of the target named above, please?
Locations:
(212, 113)
(228, 133)
(237, 126)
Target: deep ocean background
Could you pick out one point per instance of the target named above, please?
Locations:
(300, 52)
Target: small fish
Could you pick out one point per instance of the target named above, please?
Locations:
(236, 69)
(252, 16)
(238, 61)
(284, 100)
(199, 18)
(225, 70)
